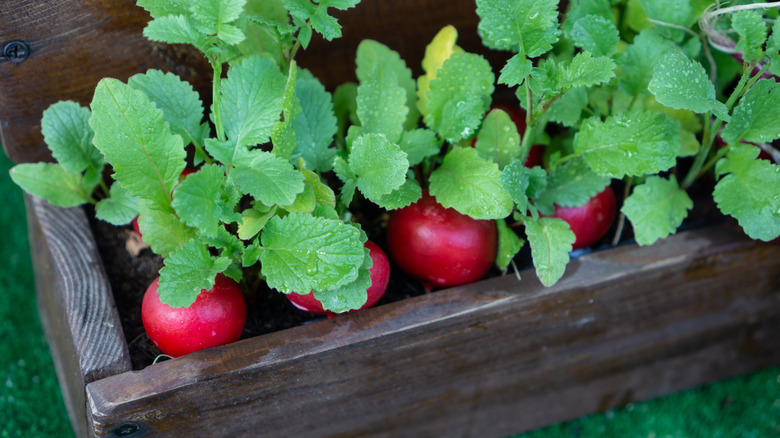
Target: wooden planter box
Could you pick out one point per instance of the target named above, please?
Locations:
(492, 358)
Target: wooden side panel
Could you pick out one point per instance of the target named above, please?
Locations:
(490, 359)
(72, 45)
(75, 302)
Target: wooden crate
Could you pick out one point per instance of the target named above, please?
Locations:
(488, 359)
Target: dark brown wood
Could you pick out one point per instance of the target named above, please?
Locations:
(73, 44)
(488, 359)
(75, 303)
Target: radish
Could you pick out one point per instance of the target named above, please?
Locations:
(380, 277)
(217, 317)
(439, 246)
(591, 221)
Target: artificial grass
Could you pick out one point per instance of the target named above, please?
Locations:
(31, 404)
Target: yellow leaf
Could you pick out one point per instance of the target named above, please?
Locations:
(439, 50)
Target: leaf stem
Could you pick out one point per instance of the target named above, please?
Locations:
(216, 65)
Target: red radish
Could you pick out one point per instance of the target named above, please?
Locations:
(535, 156)
(380, 277)
(590, 221)
(440, 246)
(184, 173)
(217, 317)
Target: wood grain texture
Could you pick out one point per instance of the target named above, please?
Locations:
(489, 359)
(74, 44)
(75, 303)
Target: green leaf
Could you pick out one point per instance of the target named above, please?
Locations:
(405, 195)
(374, 56)
(345, 174)
(521, 183)
(316, 125)
(470, 185)
(174, 29)
(177, 99)
(498, 139)
(119, 208)
(683, 84)
(200, 199)
(162, 230)
(579, 9)
(631, 143)
(52, 182)
(381, 105)
(215, 16)
(551, 241)
(656, 209)
(750, 192)
(351, 296)
(253, 220)
(587, 71)
(459, 96)
(322, 192)
(283, 135)
(516, 70)
(266, 177)
(752, 31)
(509, 244)
(251, 101)
(65, 127)
(187, 271)
(530, 26)
(596, 34)
(318, 14)
(755, 118)
(303, 253)
(161, 8)
(419, 144)
(570, 185)
(567, 109)
(379, 165)
(133, 135)
(675, 12)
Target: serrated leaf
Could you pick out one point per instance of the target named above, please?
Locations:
(315, 126)
(656, 208)
(119, 208)
(251, 255)
(251, 101)
(521, 183)
(498, 139)
(303, 253)
(596, 34)
(253, 220)
(178, 101)
(509, 244)
(640, 58)
(379, 165)
(551, 241)
(162, 230)
(347, 177)
(266, 177)
(323, 194)
(66, 131)
(419, 144)
(570, 185)
(134, 137)
(752, 31)
(675, 12)
(683, 84)
(160, 8)
(187, 271)
(528, 25)
(631, 143)
(215, 15)
(200, 199)
(567, 109)
(581, 8)
(351, 296)
(750, 192)
(756, 117)
(587, 71)
(305, 201)
(405, 195)
(470, 185)
(436, 52)
(52, 182)
(459, 96)
(374, 56)
(318, 14)
(174, 29)
(283, 135)
(516, 70)
(381, 105)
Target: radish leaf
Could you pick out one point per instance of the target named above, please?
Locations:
(52, 182)
(379, 165)
(66, 131)
(187, 271)
(756, 116)
(752, 32)
(551, 241)
(315, 126)
(498, 139)
(528, 26)
(596, 34)
(656, 209)
(681, 83)
(119, 208)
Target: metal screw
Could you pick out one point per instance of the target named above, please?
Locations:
(16, 51)
(126, 429)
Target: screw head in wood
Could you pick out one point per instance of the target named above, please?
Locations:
(16, 51)
(126, 429)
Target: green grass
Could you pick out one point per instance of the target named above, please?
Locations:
(31, 404)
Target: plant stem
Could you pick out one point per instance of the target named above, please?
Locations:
(622, 219)
(216, 65)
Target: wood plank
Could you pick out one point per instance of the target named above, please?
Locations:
(73, 44)
(488, 359)
(75, 302)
